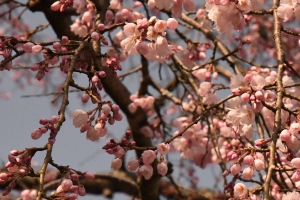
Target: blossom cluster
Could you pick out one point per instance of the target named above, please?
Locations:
(153, 30)
(228, 15)
(83, 120)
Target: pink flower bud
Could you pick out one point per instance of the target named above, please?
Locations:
(35, 67)
(95, 79)
(132, 107)
(163, 148)
(89, 176)
(65, 39)
(248, 160)
(53, 120)
(12, 159)
(235, 169)
(248, 173)
(248, 77)
(95, 36)
(259, 164)
(36, 134)
(285, 136)
(74, 177)
(73, 196)
(102, 74)
(296, 162)
(106, 109)
(104, 41)
(66, 184)
(245, 97)
(40, 75)
(162, 168)
(36, 48)
(111, 121)
(81, 190)
(87, 17)
(296, 176)
(85, 98)
(115, 108)
(56, 6)
(142, 48)
(117, 116)
(133, 164)
(146, 171)
(27, 47)
(116, 164)
(4, 176)
(148, 157)
(100, 27)
(172, 23)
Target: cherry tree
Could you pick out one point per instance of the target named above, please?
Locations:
(218, 86)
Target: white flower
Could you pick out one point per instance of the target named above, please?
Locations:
(245, 5)
(240, 190)
(130, 29)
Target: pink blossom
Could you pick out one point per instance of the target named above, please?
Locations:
(240, 190)
(33, 194)
(257, 82)
(293, 143)
(296, 162)
(172, 23)
(204, 89)
(296, 176)
(148, 157)
(133, 164)
(160, 26)
(294, 128)
(80, 118)
(162, 168)
(130, 29)
(291, 196)
(245, 5)
(92, 134)
(25, 194)
(36, 48)
(146, 171)
(116, 164)
(87, 17)
(163, 148)
(66, 184)
(162, 46)
(288, 9)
